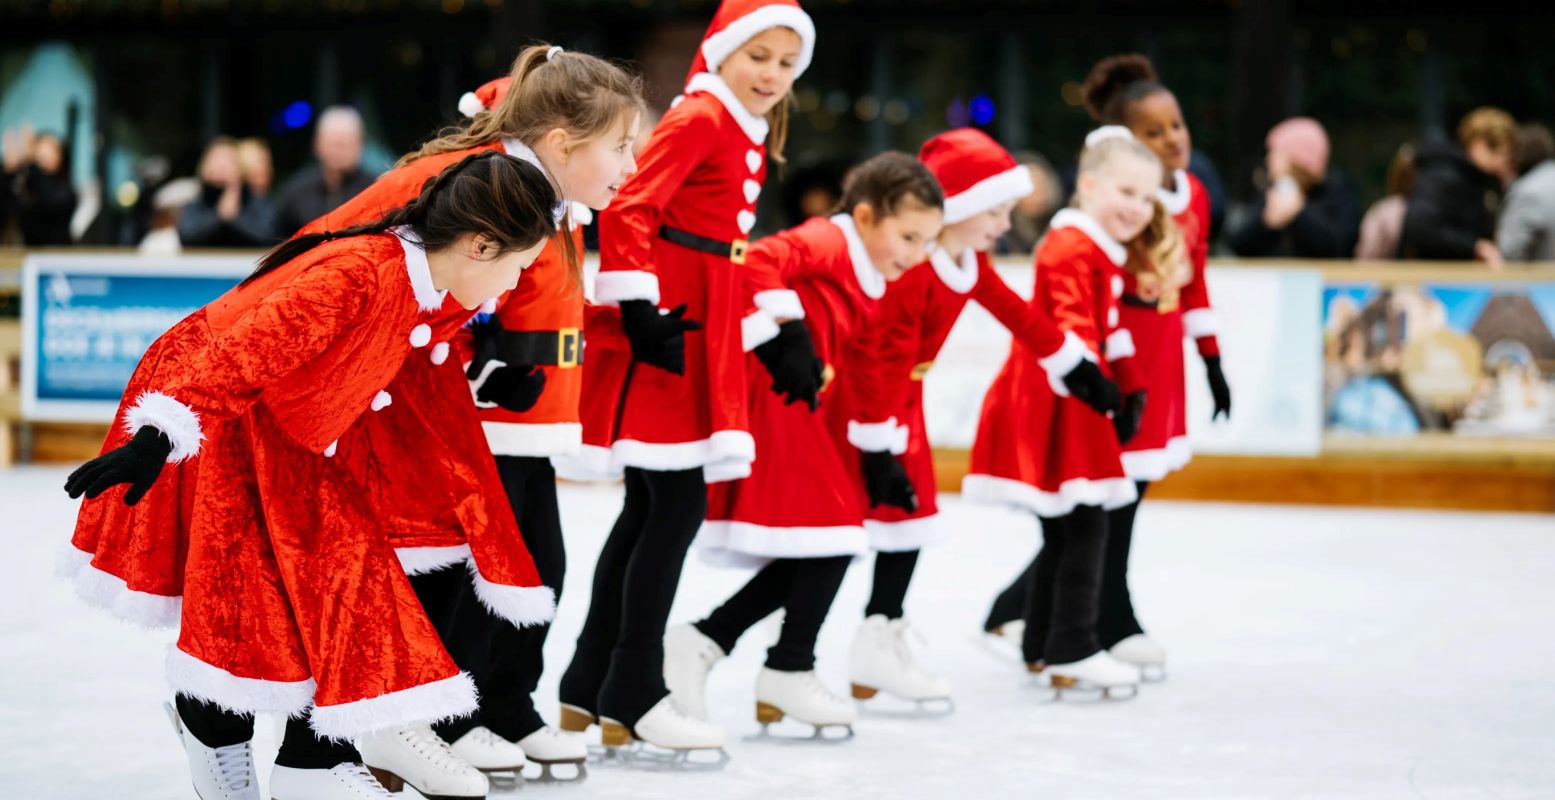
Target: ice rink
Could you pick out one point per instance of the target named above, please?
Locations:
(1315, 653)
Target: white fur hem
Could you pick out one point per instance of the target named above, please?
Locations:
(521, 605)
(727, 542)
(191, 676)
(873, 437)
(533, 439)
(725, 471)
(903, 535)
(756, 329)
(1063, 360)
(1120, 345)
(111, 594)
(421, 560)
(1011, 184)
(1200, 322)
(723, 447)
(591, 463)
(179, 422)
(611, 287)
(1109, 493)
(433, 702)
(780, 304)
(1153, 465)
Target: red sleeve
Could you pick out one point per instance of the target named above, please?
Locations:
(1198, 319)
(628, 229)
(1069, 298)
(881, 357)
(1058, 352)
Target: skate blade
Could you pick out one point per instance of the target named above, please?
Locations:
(557, 772)
(1154, 673)
(504, 781)
(1074, 689)
(788, 735)
(651, 758)
(888, 705)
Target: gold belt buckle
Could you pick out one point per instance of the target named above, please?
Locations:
(737, 250)
(568, 347)
(920, 370)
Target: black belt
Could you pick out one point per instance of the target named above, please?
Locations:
(734, 251)
(563, 348)
(1141, 302)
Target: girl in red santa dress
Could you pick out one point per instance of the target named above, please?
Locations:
(292, 602)
(671, 408)
(1162, 304)
(1053, 455)
(799, 515)
(882, 390)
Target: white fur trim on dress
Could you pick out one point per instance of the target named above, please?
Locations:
(430, 703)
(533, 438)
(1176, 201)
(723, 447)
(421, 560)
(755, 127)
(1200, 322)
(1109, 493)
(869, 279)
(1011, 184)
(903, 535)
(203, 681)
(726, 542)
(419, 271)
(959, 277)
(725, 471)
(1153, 465)
(722, 44)
(756, 329)
(470, 105)
(1063, 360)
(1120, 345)
(110, 593)
(780, 303)
(591, 463)
(521, 605)
(1075, 218)
(179, 422)
(873, 437)
(611, 287)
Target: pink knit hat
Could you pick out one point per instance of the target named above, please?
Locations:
(1303, 141)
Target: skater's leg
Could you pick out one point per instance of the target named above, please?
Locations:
(812, 589)
(1117, 621)
(1010, 605)
(763, 594)
(893, 574)
(213, 725)
(1039, 588)
(301, 748)
(1077, 586)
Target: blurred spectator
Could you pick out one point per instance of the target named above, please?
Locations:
(226, 213)
(1527, 228)
(1307, 209)
(167, 206)
(1204, 169)
(1383, 224)
(1452, 212)
(334, 179)
(1029, 221)
(256, 165)
(814, 191)
(36, 188)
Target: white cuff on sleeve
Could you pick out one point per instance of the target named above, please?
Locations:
(1063, 360)
(1200, 322)
(179, 422)
(780, 303)
(877, 436)
(757, 329)
(611, 287)
(1120, 344)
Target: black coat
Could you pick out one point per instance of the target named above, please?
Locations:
(1452, 207)
(1327, 226)
(41, 203)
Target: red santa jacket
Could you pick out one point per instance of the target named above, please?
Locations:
(1189, 206)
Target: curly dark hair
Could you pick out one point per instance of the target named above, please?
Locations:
(1117, 82)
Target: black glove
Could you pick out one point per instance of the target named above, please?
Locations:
(1126, 420)
(657, 339)
(515, 387)
(1088, 385)
(1218, 388)
(796, 371)
(137, 462)
(885, 479)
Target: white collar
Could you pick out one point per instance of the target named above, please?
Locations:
(1176, 201)
(417, 268)
(869, 278)
(959, 278)
(755, 127)
(524, 152)
(1075, 218)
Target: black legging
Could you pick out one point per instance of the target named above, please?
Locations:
(301, 748)
(1063, 589)
(893, 573)
(618, 667)
(803, 587)
(505, 660)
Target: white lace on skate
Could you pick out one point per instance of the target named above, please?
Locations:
(483, 749)
(235, 767)
(361, 782)
(433, 750)
(801, 695)
(689, 657)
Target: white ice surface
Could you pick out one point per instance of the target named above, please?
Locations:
(1315, 653)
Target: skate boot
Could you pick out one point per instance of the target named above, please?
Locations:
(882, 661)
(801, 695)
(1004, 640)
(341, 782)
(688, 658)
(220, 773)
(1143, 652)
(551, 749)
(500, 759)
(419, 758)
(1098, 672)
(579, 687)
(666, 737)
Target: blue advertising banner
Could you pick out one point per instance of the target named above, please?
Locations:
(86, 321)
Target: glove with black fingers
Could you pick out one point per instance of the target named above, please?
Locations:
(515, 387)
(658, 340)
(137, 462)
(1088, 385)
(1218, 388)
(796, 370)
(1126, 420)
(885, 479)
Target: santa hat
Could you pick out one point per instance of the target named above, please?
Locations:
(485, 98)
(739, 21)
(975, 172)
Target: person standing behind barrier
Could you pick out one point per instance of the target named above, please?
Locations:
(1527, 228)
(1452, 211)
(1307, 210)
(336, 178)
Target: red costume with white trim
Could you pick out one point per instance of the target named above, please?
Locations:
(1035, 449)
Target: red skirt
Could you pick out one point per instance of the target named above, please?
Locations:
(1161, 446)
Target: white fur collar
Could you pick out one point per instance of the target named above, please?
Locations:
(1176, 201)
(524, 152)
(419, 271)
(1075, 218)
(869, 279)
(958, 277)
(755, 127)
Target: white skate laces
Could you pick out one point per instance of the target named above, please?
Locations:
(361, 782)
(235, 766)
(432, 749)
